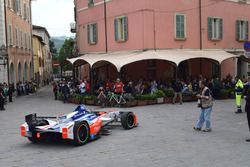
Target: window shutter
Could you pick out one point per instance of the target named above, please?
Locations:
(116, 29)
(125, 28)
(237, 28)
(210, 28)
(177, 26)
(247, 30)
(88, 33)
(221, 28)
(182, 26)
(95, 33)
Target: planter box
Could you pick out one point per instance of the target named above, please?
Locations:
(150, 102)
(132, 103)
(160, 100)
(141, 102)
(89, 102)
(189, 98)
(168, 100)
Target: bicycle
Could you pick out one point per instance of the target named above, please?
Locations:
(118, 99)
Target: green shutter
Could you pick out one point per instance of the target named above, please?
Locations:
(182, 26)
(116, 29)
(88, 33)
(210, 28)
(237, 28)
(125, 28)
(247, 29)
(221, 28)
(95, 33)
(177, 26)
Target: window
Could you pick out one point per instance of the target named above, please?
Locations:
(180, 26)
(16, 5)
(215, 28)
(92, 33)
(90, 3)
(24, 11)
(121, 29)
(241, 30)
(25, 40)
(16, 33)
(10, 35)
(21, 39)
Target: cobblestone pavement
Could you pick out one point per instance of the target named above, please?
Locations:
(164, 138)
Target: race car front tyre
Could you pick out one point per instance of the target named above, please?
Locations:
(127, 120)
(81, 133)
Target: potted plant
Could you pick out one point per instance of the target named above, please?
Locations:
(159, 94)
(169, 95)
(141, 101)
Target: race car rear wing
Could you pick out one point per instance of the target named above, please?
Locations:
(33, 120)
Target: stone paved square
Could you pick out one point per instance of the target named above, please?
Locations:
(164, 138)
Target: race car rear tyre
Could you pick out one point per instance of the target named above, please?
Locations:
(127, 120)
(81, 133)
(34, 139)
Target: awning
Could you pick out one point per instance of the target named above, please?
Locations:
(174, 56)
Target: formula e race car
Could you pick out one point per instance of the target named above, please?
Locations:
(80, 126)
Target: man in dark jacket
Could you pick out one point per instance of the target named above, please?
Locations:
(10, 91)
(65, 92)
(1, 97)
(177, 86)
(247, 109)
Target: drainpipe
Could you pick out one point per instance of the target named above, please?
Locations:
(6, 41)
(200, 27)
(105, 22)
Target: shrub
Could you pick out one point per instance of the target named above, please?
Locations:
(146, 97)
(159, 93)
(169, 92)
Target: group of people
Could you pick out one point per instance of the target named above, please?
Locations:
(5, 92)
(205, 102)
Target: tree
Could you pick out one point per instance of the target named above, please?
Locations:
(53, 50)
(65, 52)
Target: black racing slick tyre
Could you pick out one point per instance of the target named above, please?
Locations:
(127, 120)
(81, 133)
(33, 138)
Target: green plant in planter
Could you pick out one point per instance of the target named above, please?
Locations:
(159, 93)
(145, 97)
(169, 92)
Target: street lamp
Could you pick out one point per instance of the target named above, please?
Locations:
(4, 57)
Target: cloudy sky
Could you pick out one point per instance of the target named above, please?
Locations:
(55, 15)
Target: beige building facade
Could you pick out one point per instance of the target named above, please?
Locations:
(19, 33)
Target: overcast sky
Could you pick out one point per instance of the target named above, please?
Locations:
(54, 15)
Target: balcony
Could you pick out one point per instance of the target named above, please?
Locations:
(73, 27)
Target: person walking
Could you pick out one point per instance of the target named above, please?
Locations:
(177, 86)
(247, 109)
(1, 97)
(238, 94)
(65, 92)
(55, 90)
(10, 92)
(206, 104)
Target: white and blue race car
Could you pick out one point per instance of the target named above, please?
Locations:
(80, 126)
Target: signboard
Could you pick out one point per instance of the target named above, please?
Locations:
(247, 48)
